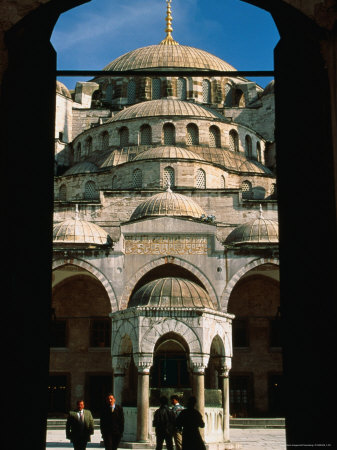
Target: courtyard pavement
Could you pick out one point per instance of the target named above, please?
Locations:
(246, 439)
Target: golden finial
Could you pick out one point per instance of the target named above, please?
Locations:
(169, 39)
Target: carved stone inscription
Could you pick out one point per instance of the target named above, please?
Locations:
(166, 245)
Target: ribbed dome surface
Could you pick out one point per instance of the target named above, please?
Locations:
(171, 292)
(168, 204)
(81, 167)
(168, 56)
(257, 231)
(167, 151)
(165, 107)
(78, 231)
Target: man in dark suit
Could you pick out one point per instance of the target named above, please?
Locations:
(112, 423)
(80, 426)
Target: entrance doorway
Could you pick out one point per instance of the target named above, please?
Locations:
(98, 388)
(58, 395)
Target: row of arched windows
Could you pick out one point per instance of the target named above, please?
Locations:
(234, 96)
(90, 192)
(169, 138)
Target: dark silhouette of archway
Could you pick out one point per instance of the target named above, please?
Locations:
(306, 212)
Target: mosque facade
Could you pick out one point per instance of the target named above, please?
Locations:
(165, 267)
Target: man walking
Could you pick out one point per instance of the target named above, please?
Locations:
(177, 408)
(164, 423)
(112, 423)
(79, 426)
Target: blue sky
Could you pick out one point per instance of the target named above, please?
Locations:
(92, 35)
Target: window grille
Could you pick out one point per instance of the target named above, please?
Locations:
(181, 88)
(63, 193)
(105, 140)
(228, 94)
(201, 179)
(100, 334)
(248, 147)
(169, 134)
(156, 88)
(108, 93)
(246, 188)
(233, 141)
(239, 99)
(214, 137)
(131, 91)
(90, 191)
(206, 91)
(258, 152)
(145, 135)
(168, 176)
(137, 178)
(124, 137)
(192, 137)
(88, 146)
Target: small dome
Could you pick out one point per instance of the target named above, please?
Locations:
(168, 56)
(166, 107)
(168, 203)
(78, 231)
(81, 167)
(168, 152)
(62, 89)
(257, 231)
(171, 292)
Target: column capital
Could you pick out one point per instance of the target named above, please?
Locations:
(143, 362)
(199, 362)
(120, 364)
(225, 367)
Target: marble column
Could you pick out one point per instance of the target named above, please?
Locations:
(198, 390)
(143, 394)
(224, 383)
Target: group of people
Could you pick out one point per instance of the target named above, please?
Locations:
(80, 425)
(175, 423)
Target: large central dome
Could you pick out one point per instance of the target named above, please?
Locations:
(163, 56)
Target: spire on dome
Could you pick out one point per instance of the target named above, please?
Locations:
(169, 39)
(261, 212)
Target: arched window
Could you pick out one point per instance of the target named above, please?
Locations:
(88, 146)
(105, 140)
(90, 191)
(214, 137)
(192, 137)
(131, 91)
(124, 137)
(228, 94)
(145, 135)
(258, 152)
(114, 182)
(156, 88)
(169, 134)
(239, 99)
(108, 93)
(206, 91)
(222, 182)
(201, 179)
(233, 141)
(63, 193)
(168, 178)
(181, 89)
(137, 178)
(246, 188)
(248, 147)
(78, 152)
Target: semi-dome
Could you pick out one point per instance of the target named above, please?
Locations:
(62, 89)
(168, 203)
(168, 152)
(255, 232)
(81, 167)
(78, 231)
(163, 56)
(171, 292)
(166, 107)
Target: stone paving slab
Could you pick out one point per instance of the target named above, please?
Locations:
(246, 439)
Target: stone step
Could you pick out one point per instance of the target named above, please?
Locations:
(58, 424)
